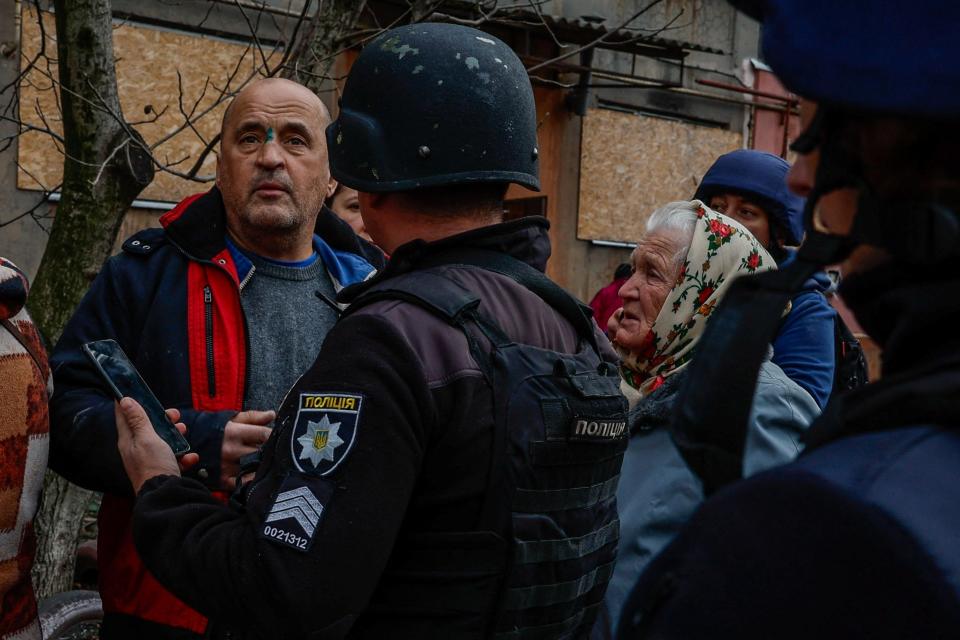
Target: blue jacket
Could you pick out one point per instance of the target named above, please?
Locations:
(860, 537)
(171, 299)
(857, 540)
(658, 493)
(805, 345)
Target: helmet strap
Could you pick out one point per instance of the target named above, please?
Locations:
(838, 168)
(913, 232)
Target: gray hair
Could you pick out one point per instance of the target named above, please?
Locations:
(680, 216)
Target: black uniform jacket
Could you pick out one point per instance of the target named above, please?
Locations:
(387, 434)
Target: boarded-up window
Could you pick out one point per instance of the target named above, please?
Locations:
(631, 164)
(147, 63)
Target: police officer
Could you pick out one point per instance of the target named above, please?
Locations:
(448, 465)
(858, 538)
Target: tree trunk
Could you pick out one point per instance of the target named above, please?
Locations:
(58, 526)
(310, 64)
(103, 172)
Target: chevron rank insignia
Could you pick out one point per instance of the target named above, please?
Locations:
(325, 430)
(296, 512)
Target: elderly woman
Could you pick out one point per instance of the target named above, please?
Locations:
(682, 268)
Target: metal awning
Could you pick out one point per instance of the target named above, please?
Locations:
(606, 33)
(585, 30)
(587, 34)
(554, 44)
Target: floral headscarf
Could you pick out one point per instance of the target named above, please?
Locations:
(721, 250)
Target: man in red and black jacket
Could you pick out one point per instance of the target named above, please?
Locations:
(220, 310)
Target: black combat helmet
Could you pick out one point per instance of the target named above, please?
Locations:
(435, 104)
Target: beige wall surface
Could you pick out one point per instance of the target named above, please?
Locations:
(148, 61)
(631, 164)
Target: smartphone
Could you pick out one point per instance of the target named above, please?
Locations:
(124, 381)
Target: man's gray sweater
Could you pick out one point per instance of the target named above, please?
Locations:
(286, 324)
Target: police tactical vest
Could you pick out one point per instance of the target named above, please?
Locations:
(538, 563)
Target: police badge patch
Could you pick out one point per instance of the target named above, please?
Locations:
(325, 430)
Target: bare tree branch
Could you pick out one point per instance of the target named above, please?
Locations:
(156, 116)
(107, 161)
(253, 32)
(24, 126)
(192, 174)
(44, 199)
(206, 16)
(188, 116)
(291, 48)
(655, 32)
(536, 8)
(32, 210)
(40, 54)
(553, 83)
(40, 66)
(595, 41)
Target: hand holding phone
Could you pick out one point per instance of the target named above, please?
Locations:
(145, 455)
(124, 380)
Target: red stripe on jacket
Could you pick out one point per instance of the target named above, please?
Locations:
(127, 587)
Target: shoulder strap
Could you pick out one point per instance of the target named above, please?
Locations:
(431, 291)
(453, 303)
(444, 298)
(449, 300)
(710, 424)
(22, 339)
(578, 314)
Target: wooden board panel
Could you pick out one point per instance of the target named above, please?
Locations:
(631, 164)
(147, 63)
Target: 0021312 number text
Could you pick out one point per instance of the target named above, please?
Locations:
(292, 539)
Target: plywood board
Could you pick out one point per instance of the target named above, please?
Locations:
(148, 60)
(631, 164)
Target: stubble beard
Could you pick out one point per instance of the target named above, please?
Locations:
(281, 217)
(275, 225)
(278, 223)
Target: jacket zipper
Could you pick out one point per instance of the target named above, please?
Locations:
(208, 300)
(247, 279)
(246, 338)
(208, 321)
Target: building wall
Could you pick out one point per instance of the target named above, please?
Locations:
(773, 130)
(574, 263)
(23, 240)
(631, 164)
(581, 265)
